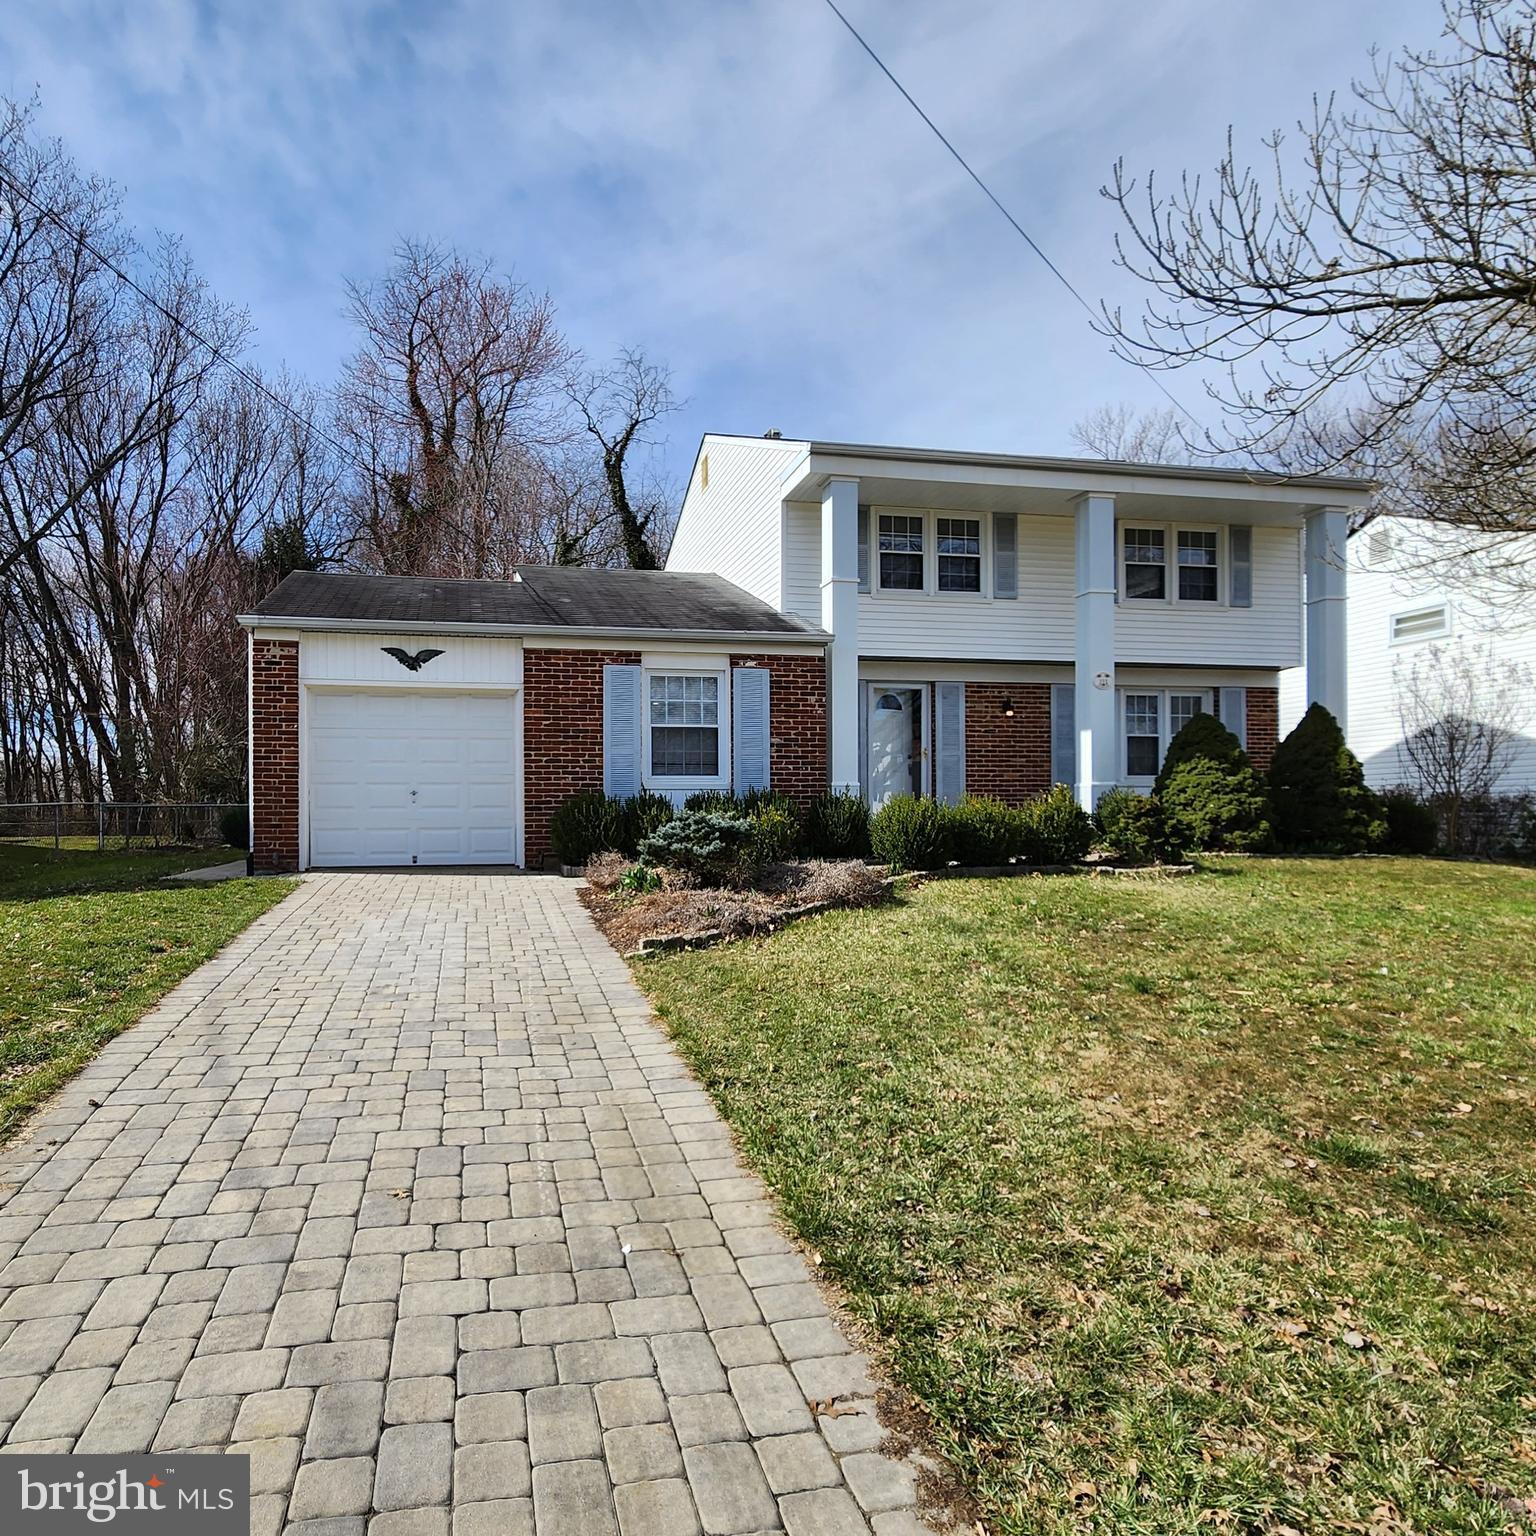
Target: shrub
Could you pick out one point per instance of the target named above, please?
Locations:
(235, 826)
(713, 847)
(908, 833)
(721, 800)
(587, 823)
(639, 880)
(644, 814)
(605, 870)
(775, 831)
(1216, 806)
(837, 827)
(1317, 791)
(1055, 829)
(1132, 827)
(1203, 736)
(983, 831)
(1412, 826)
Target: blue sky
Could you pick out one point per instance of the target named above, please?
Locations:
(729, 185)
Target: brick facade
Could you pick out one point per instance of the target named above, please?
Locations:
(797, 727)
(1008, 757)
(1263, 726)
(275, 755)
(563, 730)
(562, 735)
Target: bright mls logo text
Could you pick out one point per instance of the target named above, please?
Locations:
(102, 1500)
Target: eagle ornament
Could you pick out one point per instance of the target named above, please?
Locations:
(411, 663)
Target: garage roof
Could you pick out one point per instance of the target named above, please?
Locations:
(538, 598)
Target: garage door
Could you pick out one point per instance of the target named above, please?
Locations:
(411, 778)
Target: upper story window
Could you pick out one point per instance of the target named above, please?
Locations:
(1197, 566)
(1146, 563)
(959, 542)
(684, 726)
(1421, 624)
(1192, 554)
(901, 553)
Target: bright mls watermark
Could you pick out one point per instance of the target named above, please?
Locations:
(131, 1495)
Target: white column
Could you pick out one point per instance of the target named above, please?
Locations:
(1097, 749)
(1327, 538)
(840, 618)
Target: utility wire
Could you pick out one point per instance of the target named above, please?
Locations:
(1060, 276)
(253, 379)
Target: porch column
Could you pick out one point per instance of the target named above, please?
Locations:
(1094, 659)
(1326, 541)
(840, 618)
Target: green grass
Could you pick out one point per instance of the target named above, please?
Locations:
(88, 941)
(1182, 1206)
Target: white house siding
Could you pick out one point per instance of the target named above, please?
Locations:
(1379, 590)
(1039, 624)
(339, 656)
(732, 527)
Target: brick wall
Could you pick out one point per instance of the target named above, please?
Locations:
(797, 728)
(563, 730)
(275, 755)
(1263, 726)
(1008, 758)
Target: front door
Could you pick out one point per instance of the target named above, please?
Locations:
(898, 741)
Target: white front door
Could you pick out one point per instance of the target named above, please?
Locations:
(898, 741)
(402, 777)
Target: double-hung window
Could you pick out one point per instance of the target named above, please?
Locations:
(959, 545)
(901, 552)
(1146, 563)
(1197, 565)
(683, 725)
(1150, 720)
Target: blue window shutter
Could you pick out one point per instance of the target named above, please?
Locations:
(1240, 554)
(1005, 555)
(949, 758)
(750, 739)
(1063, 733)
(1234, 713)
(864, 549)
(864, 738)
(621, 730)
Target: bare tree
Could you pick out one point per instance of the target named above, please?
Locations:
(1119, 432)
(1462, 711)
(618, 406)
(1381, 283)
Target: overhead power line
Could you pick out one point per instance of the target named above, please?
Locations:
(253, 379)
(1029, 240)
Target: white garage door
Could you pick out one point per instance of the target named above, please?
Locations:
(411, 778)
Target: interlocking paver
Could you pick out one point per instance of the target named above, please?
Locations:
(405, 1196)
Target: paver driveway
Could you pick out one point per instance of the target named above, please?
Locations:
(406, 1196)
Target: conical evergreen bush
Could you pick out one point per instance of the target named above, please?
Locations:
(1318, 793)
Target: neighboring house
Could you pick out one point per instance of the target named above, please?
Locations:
(873, 619)
(1001, 623)
(1413, 592)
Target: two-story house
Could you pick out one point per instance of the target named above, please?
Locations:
(871, 619)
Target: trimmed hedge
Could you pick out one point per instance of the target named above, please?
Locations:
(1412, 826)
(983, 831)
(837, 827)
(587, 823)
(1132, 827)
(909, 833)
(235, 826)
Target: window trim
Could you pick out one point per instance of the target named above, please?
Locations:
(1170, 597)
(1165, 733)
(929, 516)
(1422, 611)
(678, 784)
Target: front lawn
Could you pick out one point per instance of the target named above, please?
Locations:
(90, 940)
(1184, 1205)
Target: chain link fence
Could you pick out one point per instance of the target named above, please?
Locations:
(112, 824)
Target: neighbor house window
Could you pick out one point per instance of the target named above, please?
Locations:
(959, 543)
(1146, 563)
(684, 726)
(1197, 566)
(1151, 720)
(1421, 624)
(901, 553)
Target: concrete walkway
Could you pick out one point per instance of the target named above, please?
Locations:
(405, 1196)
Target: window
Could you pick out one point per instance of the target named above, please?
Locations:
(1151, 720)
(901, 553)
(684, 726)
(1421, 624)
(1197, 566)
(959, 543)
(1146, 558)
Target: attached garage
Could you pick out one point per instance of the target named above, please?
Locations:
(399, 776)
